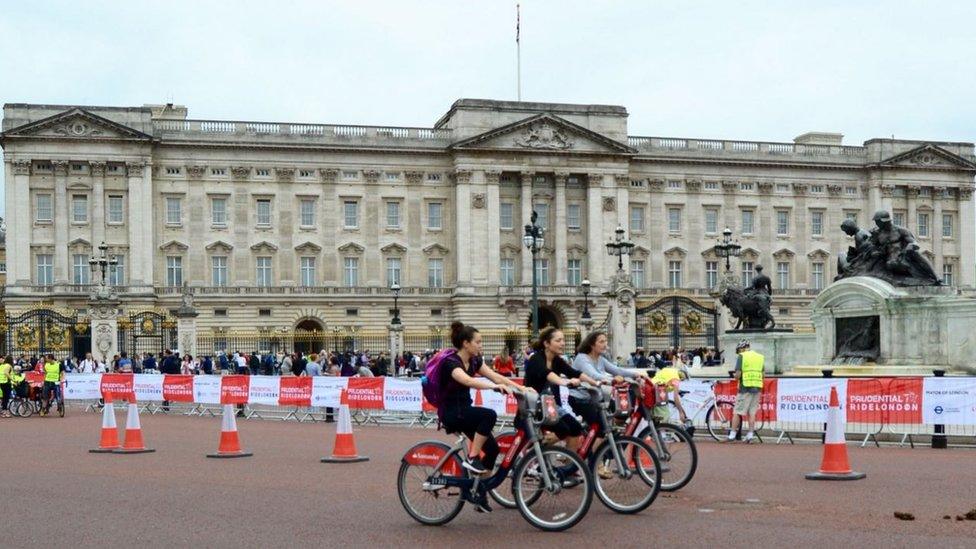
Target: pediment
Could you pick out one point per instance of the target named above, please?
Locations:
(351, 248)
(749, 253)
(510, 249)
(76, 123)
(393, 249)
(545, 133)
(818, 253)
(174, 246)
(927, 157)
(308, 246)
(436, 249)
(577, 249)
(676, 251)
(219, 245)
(264, 245)
(79, 243)
(784, 252)
(640, 251)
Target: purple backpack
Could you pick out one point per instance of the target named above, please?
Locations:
(431, 381)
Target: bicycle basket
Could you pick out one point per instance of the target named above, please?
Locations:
(621, 400)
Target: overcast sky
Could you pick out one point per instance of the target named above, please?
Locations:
(737, 70)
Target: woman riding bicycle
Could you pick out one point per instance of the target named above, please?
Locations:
(543, 371)
(456, 411)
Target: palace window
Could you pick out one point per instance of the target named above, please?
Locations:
(307, 268)
(574, 272)
(636, 219)
(923, 224)
(392, 215)
(637, 273)
(350, 271)
(543, 219)
(674, 220)
(435, 273)
(542, 272)
(264, 277)
(573, 212)
(264, 212)
(218, 271)
(947, 274)
(674, 274)
(218, 211)
(747, 273)
(816, 223)
(782, 222)
(174, 271)
(947, 225)
(818, 275)
(783, 274)
(79, 208)
(711, 220)
(350, 214)
(307, 212)
(174, 211)
(80, 270)
(45, 269)
(116, 273)
(434, 218)
(45, 210)
(747, 221)
(116, 209)
(507, 271)
(506, 213)
(711, 274)
(393, 266)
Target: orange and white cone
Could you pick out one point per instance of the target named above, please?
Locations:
(110, 431)
(133, 433)
(230, 443)
(835, 465)
(345, 446)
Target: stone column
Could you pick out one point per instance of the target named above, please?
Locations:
(526, 219)
(62, 220)
(396, 345)
(140, 224)
(911, 197)
(19, 221)
(462, 201)
(623, 335)
(98, 218)
(967, 271)
(887, 191)
(559, 228)
(494, 226)
(936, 230)
(104, 327)
(595, 254)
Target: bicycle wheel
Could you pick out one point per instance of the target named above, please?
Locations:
(555, 508)
(25, 409)
(430, 505)
(719, 419)
(630, 485)
(503, 493)
(679, 456)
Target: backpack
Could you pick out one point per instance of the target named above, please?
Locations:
(431, 380)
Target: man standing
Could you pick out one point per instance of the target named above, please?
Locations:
(749, 372)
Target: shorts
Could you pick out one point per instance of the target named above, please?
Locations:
(661, 413)
(747, 404)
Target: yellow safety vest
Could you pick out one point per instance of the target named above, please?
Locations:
(5, 372)
(52, 372)
(752, 369)
(16, 379)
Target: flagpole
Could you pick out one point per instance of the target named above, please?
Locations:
(518, 52)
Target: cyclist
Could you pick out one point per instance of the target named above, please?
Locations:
(457, 412)
(6, 369)
(53, 376)
(542, 373)
(670, 379)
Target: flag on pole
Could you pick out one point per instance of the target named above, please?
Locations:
(518, 20)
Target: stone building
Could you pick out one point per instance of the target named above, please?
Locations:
(283, 226)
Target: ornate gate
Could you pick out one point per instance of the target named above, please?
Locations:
(42, 330)
(676, 321)
(146, 332)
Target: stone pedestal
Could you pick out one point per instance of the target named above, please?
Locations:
(623, 335)
(396, 343)
(104, 327)
(186, 324)
(783, 349)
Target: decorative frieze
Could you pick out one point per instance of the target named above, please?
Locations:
(60, 167)
(800, 189)
(97, 169)
(21, 167)
(285, 175)
(693, 185)
(765, 187)
(609, 204)
(492, 177)
(196, 172)
(240, 172)
(135, 169)
(413, 177)
(371, 176)
(835, 190)
(478, 200)
(329, 175)
(462, 177)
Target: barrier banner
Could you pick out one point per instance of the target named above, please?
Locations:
(726, 391)
(83, 387)
(147, 387)
(177, 388)
(120, 385)
(295, 391)
(949, 401)
(808, 400)
(882, 400)
(511, 407)
(401, 395)
(698, 393)
(494, 400)
(234, 389)
(326, 391)
(263, 390)
(206, 389)
(365, 393)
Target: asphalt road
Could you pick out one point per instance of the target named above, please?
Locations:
(743, 495)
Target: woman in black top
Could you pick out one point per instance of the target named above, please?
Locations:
(456, 411)
(543, 371)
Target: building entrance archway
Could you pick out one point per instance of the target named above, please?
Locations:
(309, 336)
(548, 316)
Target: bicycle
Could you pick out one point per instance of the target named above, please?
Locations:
(58, 398)
(718, 413)
(623, 459)
(540, 475)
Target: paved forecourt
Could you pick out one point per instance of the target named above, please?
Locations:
(742, 494)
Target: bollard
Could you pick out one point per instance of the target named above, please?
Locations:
(827, 372)
(939, 439)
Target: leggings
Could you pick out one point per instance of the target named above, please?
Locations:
(5, 387)
(472, 420)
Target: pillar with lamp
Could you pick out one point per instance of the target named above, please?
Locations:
(623, 338)
(586, 321)
(101, 264)
(534, 240)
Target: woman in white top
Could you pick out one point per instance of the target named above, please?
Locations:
(87, 366)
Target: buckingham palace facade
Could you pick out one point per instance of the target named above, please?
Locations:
(278, 226)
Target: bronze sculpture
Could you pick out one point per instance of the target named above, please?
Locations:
(888, 252)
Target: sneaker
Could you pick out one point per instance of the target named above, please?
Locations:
(604, 471)
(480, 502)
(475, 466)
(749, 436)
(574, 479)
(731, 436)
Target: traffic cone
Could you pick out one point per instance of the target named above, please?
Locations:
(478, 399)
(133, 433)
(345, 446)
(835, 465)
(230, 444)
(110, 431)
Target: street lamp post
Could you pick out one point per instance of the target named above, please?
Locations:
(101, 265)
(619, 247)
(395, 288)
(727, 248)
(534, 240)
(586, 320)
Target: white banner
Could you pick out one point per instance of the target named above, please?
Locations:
(83, 387)
(698, 394)
(206, 389)
(402, 395)
(807, 400)
(949, 401)
(327, 390)
(147, 387)
(263, 390)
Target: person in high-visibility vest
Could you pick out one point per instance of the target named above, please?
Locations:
(749, 372)
(6, 370)
(53, 376)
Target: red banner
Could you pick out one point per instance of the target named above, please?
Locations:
(120, 385)
(234, 389)
(365, 393)
(295, 391)
(178, 388)
(34, 379)
(895, 400)
(726, 391)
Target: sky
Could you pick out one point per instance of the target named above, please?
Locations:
(746, 70)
